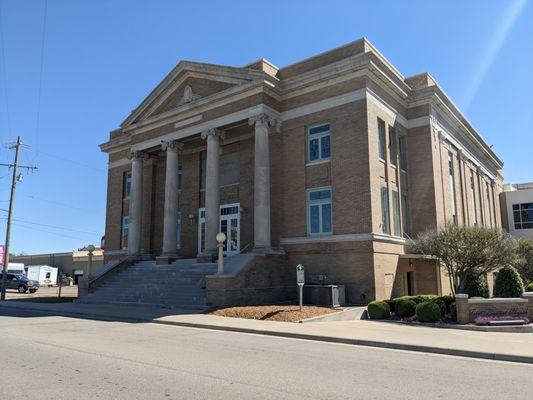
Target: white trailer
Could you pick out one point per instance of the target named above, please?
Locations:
(15, 268)
(44, 274)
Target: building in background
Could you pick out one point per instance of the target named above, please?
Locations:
(517, 209)
(73, 263)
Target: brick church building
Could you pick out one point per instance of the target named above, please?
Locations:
(333, 162)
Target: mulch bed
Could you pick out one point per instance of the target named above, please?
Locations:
(274, 312)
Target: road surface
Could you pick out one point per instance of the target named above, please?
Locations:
(51, 357)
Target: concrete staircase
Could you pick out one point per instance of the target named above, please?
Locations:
(177, 285)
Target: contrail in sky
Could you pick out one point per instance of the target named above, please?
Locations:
(494, 46)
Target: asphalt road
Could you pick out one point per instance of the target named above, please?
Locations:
(51, 357)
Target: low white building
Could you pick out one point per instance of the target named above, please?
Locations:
(517, 209)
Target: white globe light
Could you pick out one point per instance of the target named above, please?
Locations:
(221, 237)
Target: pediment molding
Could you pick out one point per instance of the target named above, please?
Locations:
(176, 78)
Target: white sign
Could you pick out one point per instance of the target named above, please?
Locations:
(300, 274)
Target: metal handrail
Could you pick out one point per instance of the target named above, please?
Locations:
(125, 262)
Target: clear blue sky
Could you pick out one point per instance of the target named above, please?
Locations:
(101, 58)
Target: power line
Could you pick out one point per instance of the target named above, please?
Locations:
(26, 221)
(50, 232)
(56, 203)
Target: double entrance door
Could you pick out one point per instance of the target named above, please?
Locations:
(230, 224)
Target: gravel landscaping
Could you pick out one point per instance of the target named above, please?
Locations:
(274, 312)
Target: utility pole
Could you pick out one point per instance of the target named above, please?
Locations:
(14, 180)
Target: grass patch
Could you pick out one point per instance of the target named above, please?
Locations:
(274, 312)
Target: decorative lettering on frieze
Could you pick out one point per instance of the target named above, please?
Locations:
(213, 132)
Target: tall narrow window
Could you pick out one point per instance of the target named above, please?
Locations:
(393, 148)
(124, 232)
(318, 143)
(452, 187)
(319, 211)
(396, 213)
(489, 211)
(402, 152)
(126, 190)
(382, 140)
(405, 215)
(178, 231)
(473, 197)
(385, 216)
(180, 178)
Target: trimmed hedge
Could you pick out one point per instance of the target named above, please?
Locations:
(405, 308)
(378, 310)
(529, 287)
(508, 283)
(428, 311)
(476, 286)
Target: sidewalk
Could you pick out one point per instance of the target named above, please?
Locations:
(516, 347)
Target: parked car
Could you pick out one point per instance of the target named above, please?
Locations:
(20, 282)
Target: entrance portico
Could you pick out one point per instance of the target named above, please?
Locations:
(213, 140)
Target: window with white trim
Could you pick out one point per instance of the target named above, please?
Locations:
(124, 232)
(452, 187)
(385, 214)
(319, 211)
(473, 197)
(126, 190)
(318, 143)
(396, 213)
(405, 215)
(393, 148)
(178, 231)
(382, 140)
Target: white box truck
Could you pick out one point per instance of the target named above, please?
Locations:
(44, 274)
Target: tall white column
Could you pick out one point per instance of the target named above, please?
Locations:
(261, 124)
(170, 228)
(134, 227)
(212, 189)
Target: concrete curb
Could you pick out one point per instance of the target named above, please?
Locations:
(293, 335)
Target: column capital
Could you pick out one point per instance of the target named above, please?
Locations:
(213, 132)
(263, 119)
(461, 155)
(171, 144)
(442, 136)
(137, 155)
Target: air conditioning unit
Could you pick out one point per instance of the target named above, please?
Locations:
(325, 295)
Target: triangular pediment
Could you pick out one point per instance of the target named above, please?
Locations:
(187, 84)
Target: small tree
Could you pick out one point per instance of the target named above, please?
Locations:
(524, 259)
(466, 250)
(508, 283)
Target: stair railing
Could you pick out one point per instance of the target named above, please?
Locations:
(104, 272)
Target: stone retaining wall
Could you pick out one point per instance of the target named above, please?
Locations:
(469, 309)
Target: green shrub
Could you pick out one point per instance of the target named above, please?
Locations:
(508, 283)
(448, 300)
(405, 308)
(476, 286)
(378, 310)
(428, 311)
(529, 287)
(441, 304)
